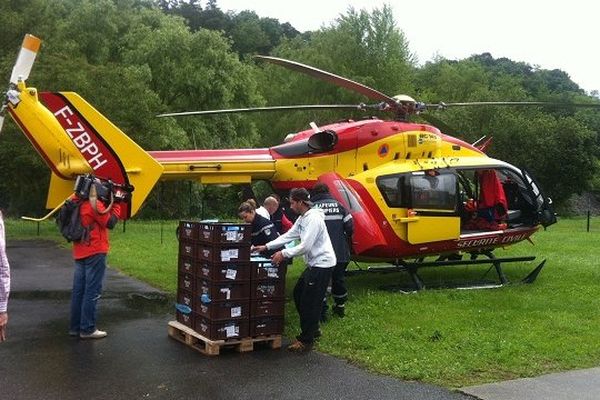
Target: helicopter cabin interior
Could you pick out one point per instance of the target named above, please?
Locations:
(485, 199)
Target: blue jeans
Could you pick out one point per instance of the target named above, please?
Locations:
(87, 288)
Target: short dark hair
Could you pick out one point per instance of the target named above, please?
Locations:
(301, 194)
(320, 188)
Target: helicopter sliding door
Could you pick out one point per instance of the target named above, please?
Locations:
(430, 200)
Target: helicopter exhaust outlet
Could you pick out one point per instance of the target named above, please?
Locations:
(323, 141)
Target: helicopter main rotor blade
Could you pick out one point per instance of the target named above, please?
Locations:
(442, 105)
(360, 107)
(332, 78)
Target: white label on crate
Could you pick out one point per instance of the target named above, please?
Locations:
(232, 330)
(272, 273)
(231, 273)
(225, 255)
(236, 312)
(234, 253)
(227, 293)
(231, 236)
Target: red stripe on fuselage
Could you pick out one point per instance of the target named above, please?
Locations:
(97, 152)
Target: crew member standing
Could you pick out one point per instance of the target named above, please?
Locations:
(340, 227)
(319, 257)
(90, 264)
(263, 230)
(277, 216)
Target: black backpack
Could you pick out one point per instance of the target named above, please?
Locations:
(69, 222)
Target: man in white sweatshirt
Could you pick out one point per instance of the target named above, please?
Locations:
(319, 258)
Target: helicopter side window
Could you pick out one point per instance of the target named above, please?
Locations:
(433, 191)
(392, 187)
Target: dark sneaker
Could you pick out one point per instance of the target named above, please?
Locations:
(324, 317)
(299, 347)
(339, 311)
(97, 334)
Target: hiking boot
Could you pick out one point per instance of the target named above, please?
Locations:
(97, 334)
(299, 347)
(339, 311)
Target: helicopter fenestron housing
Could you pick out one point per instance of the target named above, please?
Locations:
(412, 190)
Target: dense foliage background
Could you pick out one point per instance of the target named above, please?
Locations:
(134, 59)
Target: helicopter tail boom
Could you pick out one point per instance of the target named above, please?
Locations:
(74, 138)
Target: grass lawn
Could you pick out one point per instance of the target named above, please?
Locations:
(448, 337)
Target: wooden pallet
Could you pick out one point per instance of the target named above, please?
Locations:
(196, 341)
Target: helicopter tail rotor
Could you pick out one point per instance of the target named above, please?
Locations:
(20, 72)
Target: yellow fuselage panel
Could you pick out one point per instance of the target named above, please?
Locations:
(47, 136)
(219, 171)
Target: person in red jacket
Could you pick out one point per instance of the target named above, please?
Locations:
(90, 263)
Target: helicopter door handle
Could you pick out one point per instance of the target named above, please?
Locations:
(405, 219)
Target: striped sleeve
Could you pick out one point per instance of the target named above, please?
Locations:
(4, 269)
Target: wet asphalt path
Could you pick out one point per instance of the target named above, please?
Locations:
(139, 361)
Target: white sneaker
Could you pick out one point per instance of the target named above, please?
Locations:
(94, 335)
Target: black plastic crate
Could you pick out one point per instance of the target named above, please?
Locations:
(222, 310)
(267, 289)
(224, 272)
(188, 231)
(186, 282)
(267, 307)
(265, 326)
(187, 265)
(186, 298)
(222, 253)
(186, 319)
(263, 268)
(221, 330)
(225, 233)
(216, 291)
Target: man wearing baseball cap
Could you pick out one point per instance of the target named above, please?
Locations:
(319, 258)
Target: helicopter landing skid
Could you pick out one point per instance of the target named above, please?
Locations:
(412, 267)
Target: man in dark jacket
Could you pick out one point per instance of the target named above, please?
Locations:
(340, 227)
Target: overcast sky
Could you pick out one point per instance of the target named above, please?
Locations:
(550, 34)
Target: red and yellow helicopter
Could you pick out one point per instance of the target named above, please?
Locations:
(413, 191)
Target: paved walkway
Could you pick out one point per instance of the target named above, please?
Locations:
(572, 385)
(139, 361)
